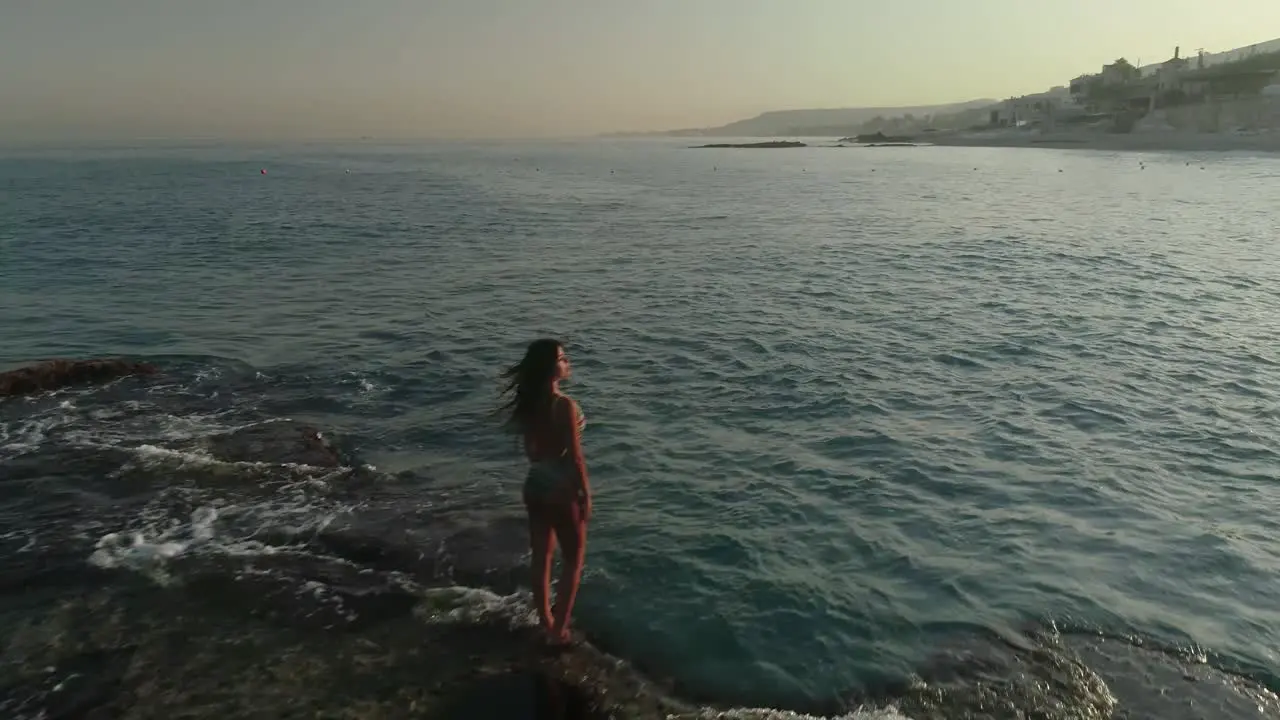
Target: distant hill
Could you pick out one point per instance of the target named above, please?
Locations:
(821, 122)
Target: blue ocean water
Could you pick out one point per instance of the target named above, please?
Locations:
(842, 404)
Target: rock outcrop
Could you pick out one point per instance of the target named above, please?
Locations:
(55, 374)
(876, 138)
(277, 442)
(760, 145)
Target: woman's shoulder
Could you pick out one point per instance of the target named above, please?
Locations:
(565, 400)
(569, 404)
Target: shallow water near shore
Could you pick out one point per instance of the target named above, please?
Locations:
(933, 432)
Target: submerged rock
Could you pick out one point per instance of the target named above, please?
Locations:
(520, 693)
(145, 653)
(71, 688)
(297, 590)
(277, 443)
(55, 374)
(443, 548)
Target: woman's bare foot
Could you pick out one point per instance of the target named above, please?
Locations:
(559, 638)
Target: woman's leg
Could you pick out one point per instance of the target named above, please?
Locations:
(571, 530)
(542, 544)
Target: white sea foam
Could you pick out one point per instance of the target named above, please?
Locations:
(326, 595)
(460, 604)
(119, 424)
(133, 550)
(366, 385)
(153, 455)
(26, 435)
(154, 540)
(208, 373)
(29, 539)
(116, 428)
(156, 535)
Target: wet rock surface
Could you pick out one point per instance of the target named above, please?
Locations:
(277, 442)
(105, 656)
(1173, 687)
(55, 374)
(247, 574)
(77, 687)
(450, 548)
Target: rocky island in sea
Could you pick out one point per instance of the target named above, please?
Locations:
(877, 139)
(769, 145)
(54, 374)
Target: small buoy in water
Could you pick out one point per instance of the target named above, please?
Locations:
(348, 172)
(263, 171)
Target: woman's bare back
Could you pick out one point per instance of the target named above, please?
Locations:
(551, 439)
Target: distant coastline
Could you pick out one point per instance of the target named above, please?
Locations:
(1210, 102)
(1119, 142)
(813, 122)
(1152, 141)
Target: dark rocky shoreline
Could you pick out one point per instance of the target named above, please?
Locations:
(343, 622)
(132, 650)
(353, 619)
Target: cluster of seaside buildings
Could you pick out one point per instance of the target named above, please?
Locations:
(1121, 88)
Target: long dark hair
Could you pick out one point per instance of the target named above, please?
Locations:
(529, 384)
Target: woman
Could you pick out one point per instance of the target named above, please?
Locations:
(556, 493)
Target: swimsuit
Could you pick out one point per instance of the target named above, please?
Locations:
(546, 474)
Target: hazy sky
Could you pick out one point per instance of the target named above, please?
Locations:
(561, 67)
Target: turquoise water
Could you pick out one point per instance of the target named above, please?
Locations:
(842, 404)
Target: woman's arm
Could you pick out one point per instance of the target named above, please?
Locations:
(571, 433)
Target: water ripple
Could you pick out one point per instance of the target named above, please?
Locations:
(831, 412)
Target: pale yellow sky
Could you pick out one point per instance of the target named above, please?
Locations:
(465, 68)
